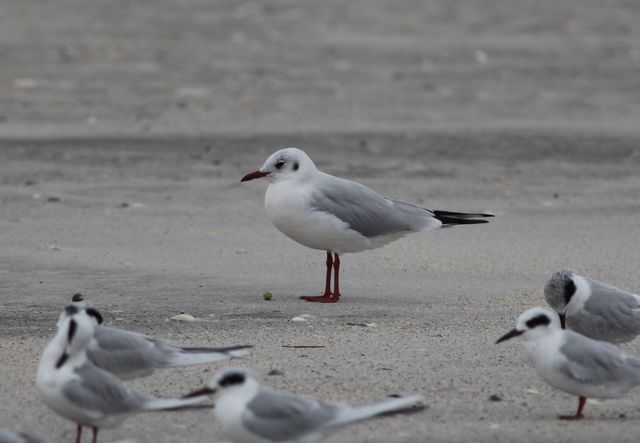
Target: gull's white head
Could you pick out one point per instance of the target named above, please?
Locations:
(559, 291)
(285, 164)
(533, 324)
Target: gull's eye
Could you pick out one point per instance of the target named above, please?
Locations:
(280, 164)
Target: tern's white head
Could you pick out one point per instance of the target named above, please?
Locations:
(533, 324)
(559, 291)
(75, 331)
(285, 164)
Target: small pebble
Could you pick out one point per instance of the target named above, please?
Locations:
(267, 296)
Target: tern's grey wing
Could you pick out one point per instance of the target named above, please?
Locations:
(7, 436)
(98, 391)
(127, 353)
(609, 314)
(281, 417)
(366, 211)
(596, 362)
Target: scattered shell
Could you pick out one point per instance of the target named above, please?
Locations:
(183, 317)
(302, 317)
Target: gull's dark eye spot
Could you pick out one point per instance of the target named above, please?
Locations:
(296, 166)
(280, 164)
(538, 321)
(235, 378)
(569, 289)
(95, 314)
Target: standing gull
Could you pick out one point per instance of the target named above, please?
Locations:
(338, 216)
(130, 355)
(250, 413)
(595, 309)
(77, 389)
(573, 363)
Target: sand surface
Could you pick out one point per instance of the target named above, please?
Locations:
(147, 230)
(125, 128)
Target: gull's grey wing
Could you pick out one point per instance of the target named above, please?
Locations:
(127, 353)
(609, 314)
(7, 436)
(281, 417)
(366, 211)
(98, 391)
(596, 362)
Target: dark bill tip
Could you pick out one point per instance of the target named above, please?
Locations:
(563, 320)
(200, 392)
(254, 174)
(512, 333)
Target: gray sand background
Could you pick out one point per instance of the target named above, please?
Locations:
(126, 126)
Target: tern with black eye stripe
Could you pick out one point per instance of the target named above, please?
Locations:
(251, 413)
(572, 362)
(129, 354)
(597, 310)
(338, 216)
(78, 390)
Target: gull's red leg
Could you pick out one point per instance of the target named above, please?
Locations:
(78, 433)
(336, 277)
(581, 402)
(327, 297)
(95, 435)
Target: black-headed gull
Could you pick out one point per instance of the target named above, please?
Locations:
(332, 214)
(250, 413)
(80, 391)
(573, 363)
(595, 309)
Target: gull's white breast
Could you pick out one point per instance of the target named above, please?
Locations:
(287, 205)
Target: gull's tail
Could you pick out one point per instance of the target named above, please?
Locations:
(196, 356)
(460, 218)
(187, 402)
(394, 406)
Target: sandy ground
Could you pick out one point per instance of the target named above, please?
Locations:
(126, 126)
(197, 66)
(150, 229)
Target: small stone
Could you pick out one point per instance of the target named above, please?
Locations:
(267, 296)
(274, 372)
(495, 397)
(77, 297)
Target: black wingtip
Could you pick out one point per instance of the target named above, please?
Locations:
(460, 218)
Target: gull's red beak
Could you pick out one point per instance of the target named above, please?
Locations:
(254, 174)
